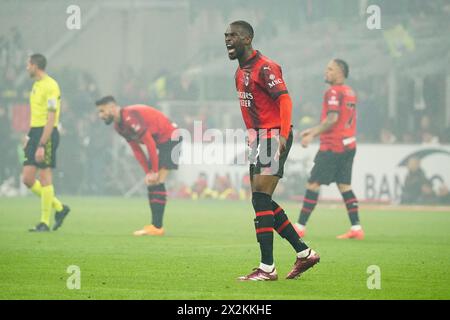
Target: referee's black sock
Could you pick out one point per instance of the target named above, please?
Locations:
(262, 203)
(285, 229)
(157, 196)
(309, 203)
(352, 207)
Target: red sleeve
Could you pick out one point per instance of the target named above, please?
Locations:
(332, 101)
(272, 81)
(139, 155)
(149, 142)
(285, 104)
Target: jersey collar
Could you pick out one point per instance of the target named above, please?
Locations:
(253, 58)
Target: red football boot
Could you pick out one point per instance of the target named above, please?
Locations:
(352, 234)
(260, 275)
(303, 264)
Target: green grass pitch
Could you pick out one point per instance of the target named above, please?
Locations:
(210, 243)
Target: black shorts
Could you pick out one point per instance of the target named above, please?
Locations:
(264, 159)
(34, 136)
(169, 154)
(333, 167)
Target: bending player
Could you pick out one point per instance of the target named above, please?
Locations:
(141, 124)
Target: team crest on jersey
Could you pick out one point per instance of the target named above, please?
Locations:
(246, 79)
(136, 127)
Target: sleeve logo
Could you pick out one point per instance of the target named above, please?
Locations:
(274, 82)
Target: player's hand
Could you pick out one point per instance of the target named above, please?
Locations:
(151, 178)
(306, 132)
(307, 136)
(282, 145)
(40, 154)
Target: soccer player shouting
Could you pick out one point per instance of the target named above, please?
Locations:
(42, 143)
(266, 108)
(141, 124)
(334, 161)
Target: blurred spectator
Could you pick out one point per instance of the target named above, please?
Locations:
(8, 157)
(415, 183)
(427, 195)
(387, 137)
(200, 188)
(426, 133)
(185, 89)
(158, 87)
(443, 195)
(223, 187)
(246, 190)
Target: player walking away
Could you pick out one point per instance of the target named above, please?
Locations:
(42, 143)
(334, 161)
(266, 108)
(141, 124)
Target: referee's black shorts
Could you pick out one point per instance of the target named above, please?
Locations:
(332, 167)
(169, 154)
(34, 136)
(264, 157)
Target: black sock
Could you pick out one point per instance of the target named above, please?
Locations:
(352, 207)
(262, 203)
(309, 203)
(285, 229)
(157, 196)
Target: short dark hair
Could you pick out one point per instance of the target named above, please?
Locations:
(105, 100)
(245, 26)
(344, 66)
(39, 60)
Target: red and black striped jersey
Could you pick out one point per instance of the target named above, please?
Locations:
(141, 124)
(136, 120)
(342, 136)
(259, 83)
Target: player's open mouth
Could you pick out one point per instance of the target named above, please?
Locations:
(231, 49)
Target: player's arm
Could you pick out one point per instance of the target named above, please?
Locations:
(147, 139)
(139, 155)
(325, 125)
(48, 128)
(271, 77)
(285, 103)
(309, 134)
(332, 101)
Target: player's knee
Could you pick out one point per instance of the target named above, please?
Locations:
(261, 201)
(313, 186)
(344, 187)
(28, 180)
(45, 178)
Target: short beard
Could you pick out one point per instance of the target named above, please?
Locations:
(109, 120)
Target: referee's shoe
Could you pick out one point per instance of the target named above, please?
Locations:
(40, 227)
(60, 216)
